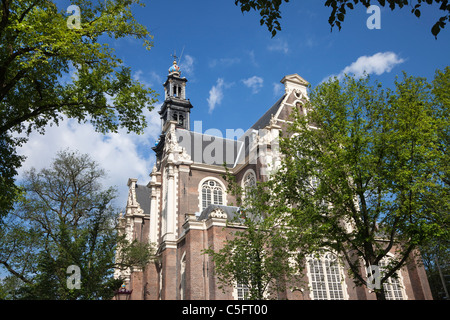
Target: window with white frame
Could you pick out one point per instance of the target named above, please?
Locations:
(393, 288)
(248, 182)
(212, 193)
(325, 278)
(241, 292)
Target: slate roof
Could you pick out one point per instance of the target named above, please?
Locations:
(143, 197)
(208, 149)
(215, 150)
(231, 211)
(265, 119)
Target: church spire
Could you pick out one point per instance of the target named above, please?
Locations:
(174, 69)
(176, 107)
(175, 86)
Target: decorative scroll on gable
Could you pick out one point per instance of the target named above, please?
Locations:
(133, 206)
(172, 149)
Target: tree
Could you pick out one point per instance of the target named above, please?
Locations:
(50, 70)
(436, 253)
(66, 219)
(364, 176)
(362, 173)
(255, 256)
(270, 10)
(436, 256)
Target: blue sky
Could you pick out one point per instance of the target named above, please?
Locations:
(234, 66)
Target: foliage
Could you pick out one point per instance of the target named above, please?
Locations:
(10, 287)
(135, 254)
(366, 179)
(436, 253)
(255, 254)
(364, 175)
(65, 218)
(270, 10)
(49, 72)
(9, 162)
(436, 257)
(339, 8)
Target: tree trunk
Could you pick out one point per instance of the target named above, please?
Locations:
(380, 294)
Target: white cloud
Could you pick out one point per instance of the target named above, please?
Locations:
(277, 89)
(255, 83)
(155, 79)
(378, 63)
(187, 64)
(215, 95)
(310, 42)
(122, 155)
(137, 75)
(279, 45)
(252, 58)
(224, 62)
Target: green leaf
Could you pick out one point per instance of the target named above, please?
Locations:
(435, 29)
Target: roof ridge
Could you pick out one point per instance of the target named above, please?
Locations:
(210, 135)
(265, 118)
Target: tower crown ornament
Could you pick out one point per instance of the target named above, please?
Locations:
(174, 69)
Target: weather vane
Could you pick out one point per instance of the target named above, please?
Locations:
(174, 55)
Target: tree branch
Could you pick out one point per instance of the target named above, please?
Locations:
(25, 12)
(399, 264)
(14, 272)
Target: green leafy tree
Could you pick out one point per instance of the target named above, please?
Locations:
(362, 174)
(255, 254)
(270, 10)
(436, 257)
(436, 253)
(49, 71)
(66, 219)
(10, 287)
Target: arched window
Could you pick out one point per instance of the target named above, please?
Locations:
(212, 193)
(179, 118)
(249, 180)
(393, 288)
(299, 106)
(325, 277)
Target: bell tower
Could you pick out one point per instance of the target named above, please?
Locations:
(175, 107)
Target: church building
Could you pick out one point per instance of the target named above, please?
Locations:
(184, 208)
